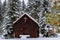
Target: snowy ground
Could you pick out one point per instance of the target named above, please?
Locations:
(40, 38)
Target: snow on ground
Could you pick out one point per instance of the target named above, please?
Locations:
(40, 38)
(34, 39)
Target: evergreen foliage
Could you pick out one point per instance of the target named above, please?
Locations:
(10, 17)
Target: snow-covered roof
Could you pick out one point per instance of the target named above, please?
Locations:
(28, 16)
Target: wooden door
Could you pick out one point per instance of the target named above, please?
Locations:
(25, 29)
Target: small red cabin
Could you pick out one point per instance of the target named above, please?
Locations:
(26, 25)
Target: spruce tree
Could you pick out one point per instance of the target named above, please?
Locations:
(10, 17)
(22, 7)
(1, 17)
(4, 7)
(32, 9)
(44, 9)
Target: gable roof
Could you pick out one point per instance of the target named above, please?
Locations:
(28, 16)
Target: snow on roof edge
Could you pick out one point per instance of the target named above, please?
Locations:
(28, 16)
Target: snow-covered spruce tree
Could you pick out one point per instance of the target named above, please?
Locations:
(22, 6)
(44, 8)
(1, 16)
(4, 10)
(10, 17)
(33, 10)
(38, 7)
(4, 7)
(0, 13)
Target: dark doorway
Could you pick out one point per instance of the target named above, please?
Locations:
(25, 29)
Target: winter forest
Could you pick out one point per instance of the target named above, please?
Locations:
(45, 12)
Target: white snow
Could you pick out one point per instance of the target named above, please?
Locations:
(40, 38)
(24, 36)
